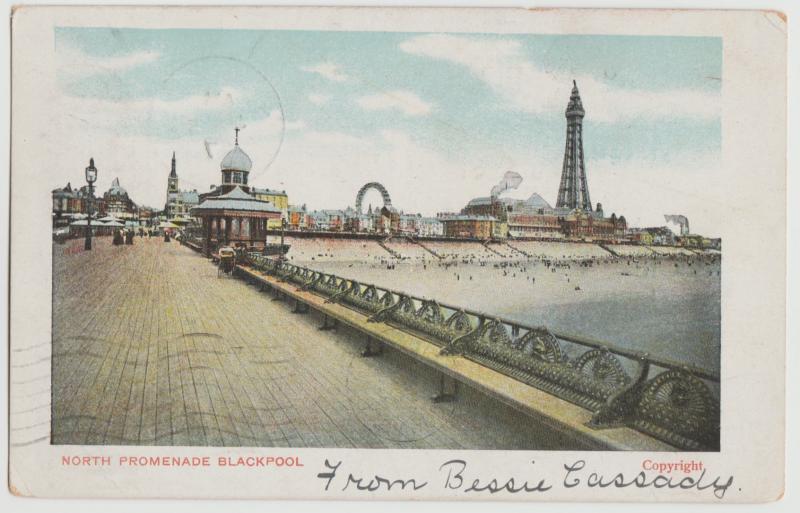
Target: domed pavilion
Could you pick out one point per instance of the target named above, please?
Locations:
(235, 167)
(230, 215)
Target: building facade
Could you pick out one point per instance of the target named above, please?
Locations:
(117, 203)
(467, 226)
(589, 227)
(297, 217)
(278, 198)
(534, 225)
(532, 217)
(67, 203)
(430, 227)
(661, 235)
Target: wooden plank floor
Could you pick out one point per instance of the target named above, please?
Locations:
(151, 347)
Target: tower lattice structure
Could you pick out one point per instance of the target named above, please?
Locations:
(573, 193)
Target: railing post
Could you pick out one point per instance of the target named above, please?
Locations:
(371, 350)
(300, 307)
(328, 323)
(443, 396)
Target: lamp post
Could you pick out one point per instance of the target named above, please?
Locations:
(91, 177)
(283, 229)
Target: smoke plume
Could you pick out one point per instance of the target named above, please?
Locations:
(511, 180)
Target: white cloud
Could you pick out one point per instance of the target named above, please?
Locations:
(503, 66)
(108, 114)
(226, 97)
(328, 70)
(73, 61)
(319, 99)
(405, 101)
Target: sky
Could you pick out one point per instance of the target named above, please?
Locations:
(437, 118)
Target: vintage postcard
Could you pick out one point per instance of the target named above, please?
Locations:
(398, 253)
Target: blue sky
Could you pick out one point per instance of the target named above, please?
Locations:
(422, 111)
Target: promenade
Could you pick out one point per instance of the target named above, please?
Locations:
(151, 347)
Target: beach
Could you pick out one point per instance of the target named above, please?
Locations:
(666, 306)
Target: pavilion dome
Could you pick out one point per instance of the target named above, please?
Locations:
(116, 189)
(236, 160)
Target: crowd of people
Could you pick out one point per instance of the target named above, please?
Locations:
(126, 236)
(522, 270)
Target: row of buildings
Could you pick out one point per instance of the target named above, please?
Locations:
(70, 204)
(490, 217)
(383, 220)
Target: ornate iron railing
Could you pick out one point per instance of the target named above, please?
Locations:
(669, 400)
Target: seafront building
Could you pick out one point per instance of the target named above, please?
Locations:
(68, 203)
(117, 203)
(470, 226)
(297, 217)
(429, 227)
(278, 198)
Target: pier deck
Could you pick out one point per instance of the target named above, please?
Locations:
(151, 347)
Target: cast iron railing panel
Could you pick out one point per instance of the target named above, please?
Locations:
(668, 400)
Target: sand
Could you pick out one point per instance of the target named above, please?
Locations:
(667, 307)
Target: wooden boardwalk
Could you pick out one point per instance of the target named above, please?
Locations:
(151, 347)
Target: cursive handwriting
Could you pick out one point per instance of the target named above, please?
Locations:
(455, 481)
(644, 480)
(457, 475)
(373, 484)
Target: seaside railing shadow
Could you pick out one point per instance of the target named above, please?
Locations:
(669, 400)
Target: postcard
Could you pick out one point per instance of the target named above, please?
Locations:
(398, 253)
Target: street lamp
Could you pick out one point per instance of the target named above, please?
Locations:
(283, 229)
(91, 177)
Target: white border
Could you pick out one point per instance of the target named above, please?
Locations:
(792, 192)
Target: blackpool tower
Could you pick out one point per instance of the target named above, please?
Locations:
(573, 193)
